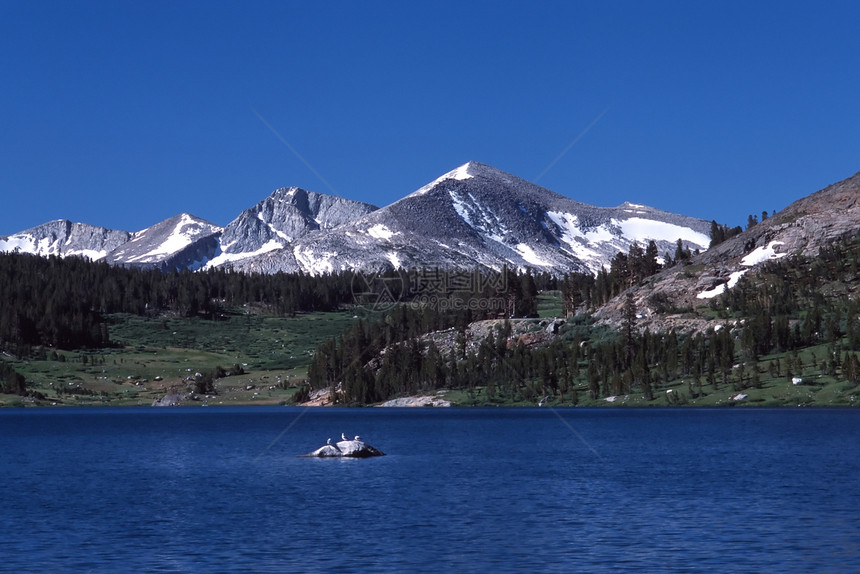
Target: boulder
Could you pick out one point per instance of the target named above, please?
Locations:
(346, 449)
(170, 400)
(554, 326)
(423, 401)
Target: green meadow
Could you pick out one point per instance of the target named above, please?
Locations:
(154, 356)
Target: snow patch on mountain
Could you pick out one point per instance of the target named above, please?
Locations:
(315, 263)
(90, 254)
(530, 256)
(721, 288)
(460, 207)
(225, 258)
(644, 230)
(581, 244)
(755, 257)
(634, 207)
(762, 254)
(394, 258)
(21, 243)
(479, 216)
(633, 229)
(380, 231)
(262, 217)
(459, 174)
(572, 232)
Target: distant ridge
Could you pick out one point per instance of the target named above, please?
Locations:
(64, 238)
(472, 217)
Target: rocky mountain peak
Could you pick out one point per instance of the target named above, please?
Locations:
(177, 242)
(475, 170)
(477, 216)
(275, 224)
(65, 238)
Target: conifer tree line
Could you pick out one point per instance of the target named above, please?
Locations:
(63, 302)
(375, 361)
(398, 360)
(720, 233)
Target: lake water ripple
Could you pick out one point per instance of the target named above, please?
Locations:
(465, 490)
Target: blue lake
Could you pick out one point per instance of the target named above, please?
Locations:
(464, 490)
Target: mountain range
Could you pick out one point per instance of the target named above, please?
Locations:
(475, 216)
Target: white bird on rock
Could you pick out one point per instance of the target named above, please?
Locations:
(328, 441)
(357, 437)
(343, 436)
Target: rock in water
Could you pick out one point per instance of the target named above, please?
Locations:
(346, 449)
(325, 451)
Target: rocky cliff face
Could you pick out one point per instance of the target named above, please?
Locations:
(803, 228)
(278, 221)
(64, 238)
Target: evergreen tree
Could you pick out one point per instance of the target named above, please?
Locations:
(629, 326)
(651, 255)
(752, 220)
(11, 381)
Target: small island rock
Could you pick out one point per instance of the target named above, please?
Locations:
(346, 449)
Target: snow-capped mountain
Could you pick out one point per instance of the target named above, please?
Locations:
(477, 216)
(181, 242)
(278, 221)
(64, 238)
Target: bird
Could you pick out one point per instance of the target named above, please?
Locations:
(357, 437)
(343, 436)
(328, 441)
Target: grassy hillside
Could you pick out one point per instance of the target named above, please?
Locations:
(154, 356)
(549, 304)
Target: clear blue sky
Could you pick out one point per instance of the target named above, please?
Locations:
(123, 114)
